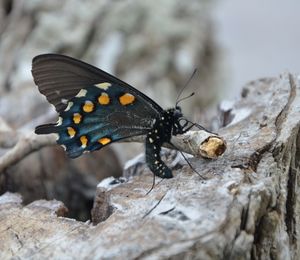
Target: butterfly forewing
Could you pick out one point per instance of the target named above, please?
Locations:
(60, 78)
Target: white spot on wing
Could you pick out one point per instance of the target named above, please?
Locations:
(70, 104)
(64, 101)
(81, 93)
(59, 121)
(104, 85)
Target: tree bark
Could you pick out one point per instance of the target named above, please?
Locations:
(246, 208)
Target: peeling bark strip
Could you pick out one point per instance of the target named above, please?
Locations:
(246, 208)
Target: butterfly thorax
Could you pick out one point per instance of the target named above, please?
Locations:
(163, 128)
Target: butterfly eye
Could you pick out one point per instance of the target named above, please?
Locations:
(177, 112)
(178, 108)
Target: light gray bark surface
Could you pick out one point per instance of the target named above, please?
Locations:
(248, 206)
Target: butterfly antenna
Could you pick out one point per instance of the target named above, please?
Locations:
(190, 95)
(191, 165)
(185, 85)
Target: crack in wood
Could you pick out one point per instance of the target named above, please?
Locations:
(283, 114)
(291, 199)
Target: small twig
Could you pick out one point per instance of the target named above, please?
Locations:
(26, 145)
(8, 136)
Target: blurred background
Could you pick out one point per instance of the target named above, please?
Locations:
(258, 39)
(152, 45)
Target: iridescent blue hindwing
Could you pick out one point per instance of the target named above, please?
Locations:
(99, 115)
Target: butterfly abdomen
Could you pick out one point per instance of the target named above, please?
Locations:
(154, 162)
(159, 134)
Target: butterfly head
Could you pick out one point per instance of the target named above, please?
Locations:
(177, 112)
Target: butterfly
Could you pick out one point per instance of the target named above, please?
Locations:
(96, 109)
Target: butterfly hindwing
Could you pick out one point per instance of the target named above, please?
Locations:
(102, 116)
(99, 109)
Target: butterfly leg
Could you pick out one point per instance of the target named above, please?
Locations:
(187, 161)
(153, 184)
(186, 127)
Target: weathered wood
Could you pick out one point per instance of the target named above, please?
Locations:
(248, 206)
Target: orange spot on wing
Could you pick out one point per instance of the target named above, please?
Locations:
(84, 141)
(71, 132)
(88, 106)
(77, 118)
(104, 140)
(126, 99)
(103, 99)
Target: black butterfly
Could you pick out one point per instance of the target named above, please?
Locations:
(96, 109)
